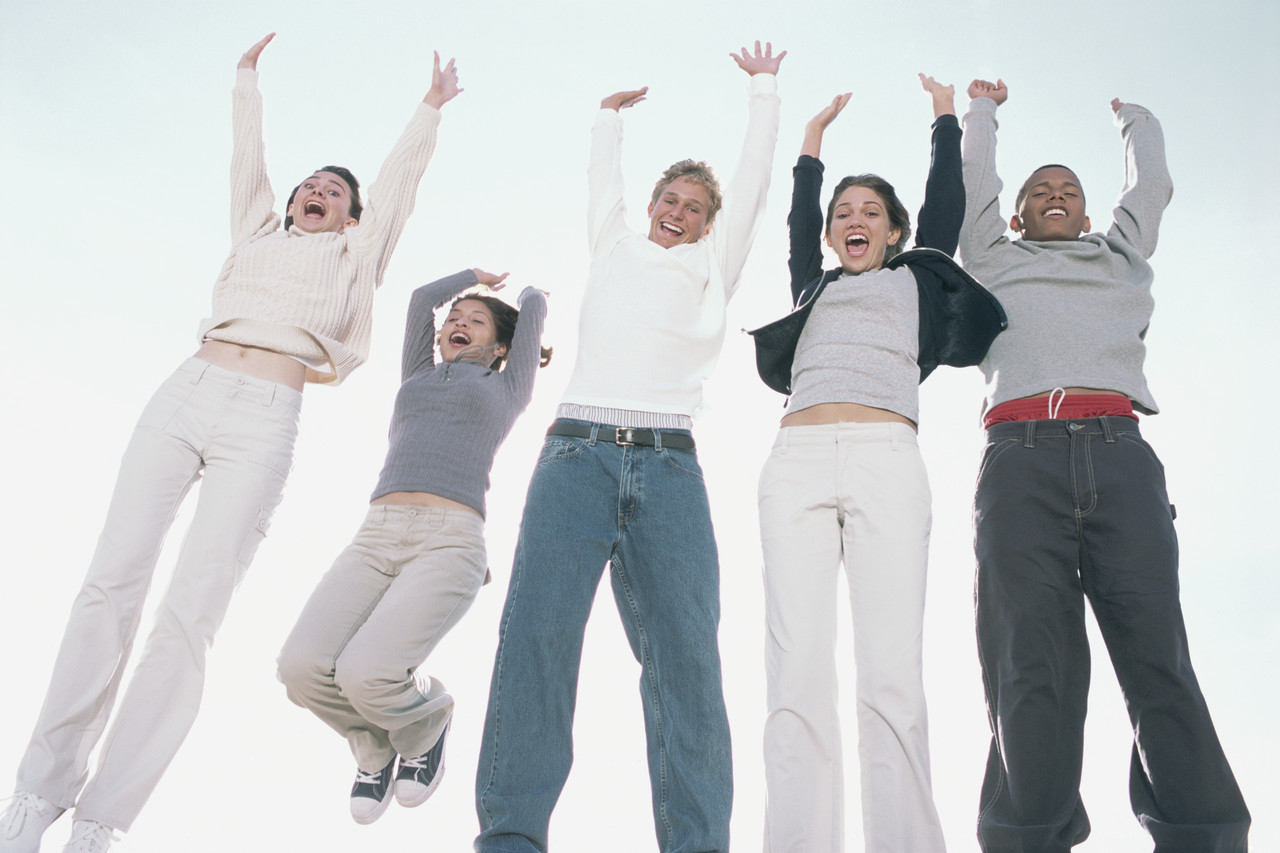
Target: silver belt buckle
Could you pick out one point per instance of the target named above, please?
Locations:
(628, 440)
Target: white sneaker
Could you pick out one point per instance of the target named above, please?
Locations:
(89, 836)
(24, 821)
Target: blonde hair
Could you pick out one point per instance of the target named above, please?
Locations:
(695, 172)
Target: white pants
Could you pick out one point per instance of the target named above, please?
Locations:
(390, 597)
(858, 494)
(238, 433)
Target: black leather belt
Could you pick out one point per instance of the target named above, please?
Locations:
(623, 435)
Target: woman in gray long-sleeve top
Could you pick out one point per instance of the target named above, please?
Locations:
(418, 560)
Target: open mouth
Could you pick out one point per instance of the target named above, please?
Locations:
(1055, 213)
(856, 245)
(460, 339)
(313, 208)
(671, 230)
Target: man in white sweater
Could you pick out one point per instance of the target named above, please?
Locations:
(618, 483)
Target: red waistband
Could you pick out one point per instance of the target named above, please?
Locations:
(1070, 406)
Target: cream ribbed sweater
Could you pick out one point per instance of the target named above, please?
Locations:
(309, 295)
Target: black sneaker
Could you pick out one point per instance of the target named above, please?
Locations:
(371, 794)
(419, 777)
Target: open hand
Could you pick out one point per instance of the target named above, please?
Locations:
(759, 63)
(489, 280)
(622, 100)
(444, 83)
(829, 112)
(250, 58)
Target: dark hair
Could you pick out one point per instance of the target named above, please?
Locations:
(504, 325)
(695, 172)
(352, 184)
(898, 216)
(1026, 185)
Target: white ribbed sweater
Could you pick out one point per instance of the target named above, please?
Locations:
(309, 296)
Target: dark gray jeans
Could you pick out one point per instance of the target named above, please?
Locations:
(1068, 509)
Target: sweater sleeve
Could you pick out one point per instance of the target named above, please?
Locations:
(942, 214)
(392, 194)
(1147, 185)
(983, 225)
(804, 224)
(420, 323)
(734, 229)
(606, 211)
(251, 197)
(526, 348)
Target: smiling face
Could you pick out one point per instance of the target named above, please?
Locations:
(468, 331)
(322, 203)
(679, 214)
(860, 230)
(1051, 206)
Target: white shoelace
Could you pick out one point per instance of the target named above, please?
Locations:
(15, 816)
(88, 836)
(363, 778)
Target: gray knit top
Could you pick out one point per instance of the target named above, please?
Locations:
(1078, 309)
(450, 418)
(860, 345)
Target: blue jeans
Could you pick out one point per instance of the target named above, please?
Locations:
(1066, 510)
(644, 511)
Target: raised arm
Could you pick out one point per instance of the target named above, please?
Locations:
(734, 229)
(983, 225)
(942, 213)
(1147, 185)
(606, 210)
(252, 200)
(526, 346)
(805, 221)
(419, 351)
(393, 193)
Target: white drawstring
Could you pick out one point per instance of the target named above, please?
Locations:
(1053, 408)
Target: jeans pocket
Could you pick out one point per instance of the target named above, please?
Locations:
(252, 539)
(165, 403)
(561, 447)
(684, 461)
(993, 451)
(1136, 440)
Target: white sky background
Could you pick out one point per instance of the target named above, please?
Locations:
(114, 131)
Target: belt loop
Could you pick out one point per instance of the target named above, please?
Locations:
(595, 430)
(199, 374)
(1108, 434)
(1029, 440)
(657, 440)
(268, 393)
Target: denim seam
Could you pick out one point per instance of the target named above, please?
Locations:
(648, 666)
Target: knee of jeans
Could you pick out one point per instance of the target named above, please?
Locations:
(360, 681)
(301, 673)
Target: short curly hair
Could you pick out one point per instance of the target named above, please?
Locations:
(696, 172)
